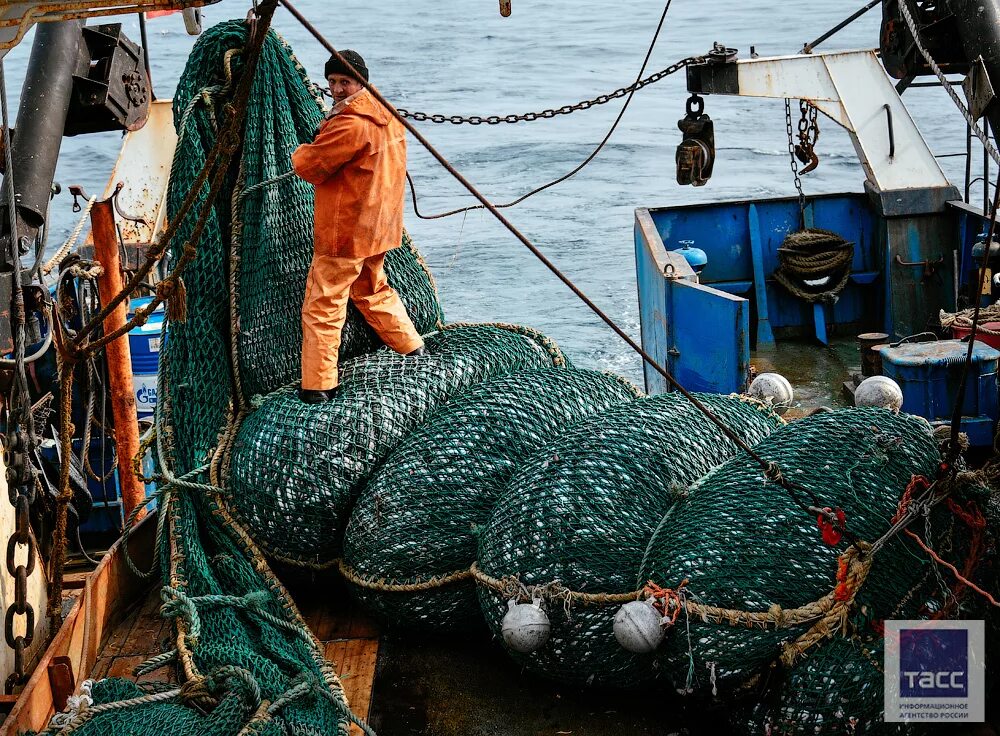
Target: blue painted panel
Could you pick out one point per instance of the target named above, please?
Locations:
(723, 231)
(710, 346)
(652, 310)
(930, 373)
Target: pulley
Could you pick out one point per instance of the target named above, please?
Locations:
(696, 153)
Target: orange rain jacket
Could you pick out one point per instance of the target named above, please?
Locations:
(358, 165)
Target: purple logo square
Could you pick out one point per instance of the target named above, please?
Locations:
(933, 663)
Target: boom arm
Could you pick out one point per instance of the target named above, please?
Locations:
(16, 18)
(853, 90)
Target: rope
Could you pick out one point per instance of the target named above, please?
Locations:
(964, 319)
(972, 517)
(65, 248)
(904, 8)
(814, 254)
(391, 586)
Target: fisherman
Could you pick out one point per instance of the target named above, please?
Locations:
(357, 164)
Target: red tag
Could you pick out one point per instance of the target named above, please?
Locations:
(832, 534)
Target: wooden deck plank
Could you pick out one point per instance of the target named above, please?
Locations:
(145, 636)
(101, 667)
(123, 666)
(354, 661)
(348, 623)
(99, 609)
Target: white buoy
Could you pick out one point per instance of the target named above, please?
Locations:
(879, 391)
(525, 626)
(773, 388)
(637, 626)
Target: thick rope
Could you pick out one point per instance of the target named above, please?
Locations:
(812, 255)
(66, 247)
(963, 319)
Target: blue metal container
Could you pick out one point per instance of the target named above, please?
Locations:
(144, 343)
(929, 373)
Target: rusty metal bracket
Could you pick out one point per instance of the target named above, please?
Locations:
(61, 681)
(114, 199)
(505, 8)
(930, 267)
(77, 191)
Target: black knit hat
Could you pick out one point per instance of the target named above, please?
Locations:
(335, 66)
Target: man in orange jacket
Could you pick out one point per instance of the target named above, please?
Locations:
(357, 163)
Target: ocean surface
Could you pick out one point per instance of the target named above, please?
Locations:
(461, 57)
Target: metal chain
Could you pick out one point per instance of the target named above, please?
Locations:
(20, 440)
(793, 161)
(551, 112)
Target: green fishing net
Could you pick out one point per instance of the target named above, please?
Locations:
(418, 517)
(838, 689)
(838, 686)
(261, 230)
(296, 468)
(246, 659)
(580, 512)
(744, 544)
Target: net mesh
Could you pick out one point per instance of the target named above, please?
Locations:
(581, 511)
(247, 661)
(839, 689)
(744, 544)
(418, 517)
(261, 230)
(296, 467)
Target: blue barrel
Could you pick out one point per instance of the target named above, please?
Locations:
(144, 342)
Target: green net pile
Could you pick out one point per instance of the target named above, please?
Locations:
(418, 517)
(261, 230)
(838, 686)
(579, 515)
(743, 543)
(246, 659)
(296, 467)
(839, 689)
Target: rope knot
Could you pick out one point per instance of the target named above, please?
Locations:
(178, 605)
(777, 614)
(773, 473)
(196, 693)
(174, 293)
(668, 601)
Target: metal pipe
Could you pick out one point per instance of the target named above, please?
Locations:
(968, 162)
(41, 118)
(871, 359)
(808, 48)
(145, 52)
(102, 217)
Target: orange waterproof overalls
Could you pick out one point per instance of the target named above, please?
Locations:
(358, 165)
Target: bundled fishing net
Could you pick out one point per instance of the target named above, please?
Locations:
(576, 519)
(296, 467)
(260, 231)
(416, 524)
(838, 689)
(758, 572)
(247, 660)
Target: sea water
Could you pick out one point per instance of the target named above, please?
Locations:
(460, 57)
